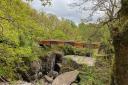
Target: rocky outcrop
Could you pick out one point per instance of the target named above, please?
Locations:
(49, 69)
(46, 65)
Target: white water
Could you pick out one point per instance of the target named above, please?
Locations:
(82, 59)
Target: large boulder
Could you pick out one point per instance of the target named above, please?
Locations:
(66, 78)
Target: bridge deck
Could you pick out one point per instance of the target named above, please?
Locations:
(72, 43)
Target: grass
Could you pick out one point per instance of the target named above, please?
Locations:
(97, 75)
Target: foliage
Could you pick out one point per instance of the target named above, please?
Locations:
(21, 28)
(89, 32)
(97, 75)
(70, 50)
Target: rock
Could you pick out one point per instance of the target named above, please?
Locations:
(69, 65)
(41, 82)
(21, 83)
(53, 74)
(51, 65)
(33, 73)
(74, 84)
(50, 62)
(42, 66)
(36, 66)
(59, 64)
(89, 61)
(17, 83)
(4, 83)
(48, 79)
(66, 78)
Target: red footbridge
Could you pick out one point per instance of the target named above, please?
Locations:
(72, 43)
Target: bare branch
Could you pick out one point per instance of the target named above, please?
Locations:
(109, 7)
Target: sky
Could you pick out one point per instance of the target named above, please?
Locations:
(61, 8)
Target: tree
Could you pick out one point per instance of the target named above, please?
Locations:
(108, 7)
(120, 43)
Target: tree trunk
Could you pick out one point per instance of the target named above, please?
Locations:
(120, 43)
